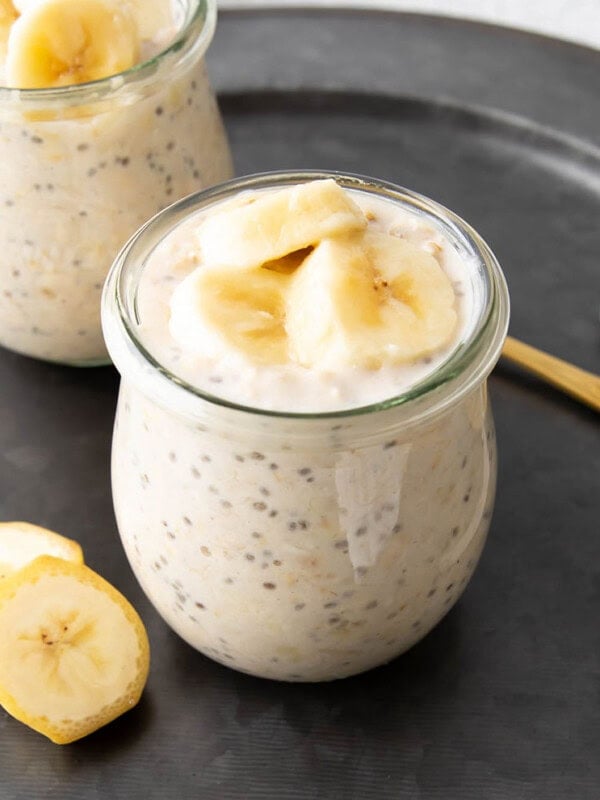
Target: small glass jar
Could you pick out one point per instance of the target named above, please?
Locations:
(82, 168)
(304, 547)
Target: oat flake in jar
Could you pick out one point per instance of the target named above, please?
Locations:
(84, 165)
(304, 471)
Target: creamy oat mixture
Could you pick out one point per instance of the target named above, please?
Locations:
(75, 184)
(292, 558)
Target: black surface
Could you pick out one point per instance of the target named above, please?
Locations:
(502, 699)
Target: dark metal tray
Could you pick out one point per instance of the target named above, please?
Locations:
(501, 700)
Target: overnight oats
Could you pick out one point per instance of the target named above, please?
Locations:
(304, 460)
(106, 117)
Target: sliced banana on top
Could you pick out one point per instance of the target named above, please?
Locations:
(296, 276)
(63, 42)
(213, 310)
(8, 14)
(278, 223)
(151, 16)
(22, 5)
(22, 542)
(74, 653)
(367, 302)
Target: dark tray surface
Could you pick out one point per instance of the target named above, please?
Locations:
(501, 700)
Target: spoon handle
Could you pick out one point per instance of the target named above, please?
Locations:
(585, 386)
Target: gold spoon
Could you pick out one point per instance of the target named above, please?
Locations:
(585, 386)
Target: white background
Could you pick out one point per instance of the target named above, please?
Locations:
(576, 20)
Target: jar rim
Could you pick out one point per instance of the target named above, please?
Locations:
(472, 360)
(195, 34)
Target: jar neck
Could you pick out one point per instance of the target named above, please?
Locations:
(465, 369)
(188, 46)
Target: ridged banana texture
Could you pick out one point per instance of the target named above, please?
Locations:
(62, 42)
(74, 653)
(296, 275)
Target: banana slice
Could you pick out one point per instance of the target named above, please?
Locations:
(368, 301)
(8, 14)
(278, 223)
(21, 542)
(74, 654)
(151, 16)
(63, 42)
(215, 310)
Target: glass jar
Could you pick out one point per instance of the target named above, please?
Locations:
(304, 547)
(82, 168)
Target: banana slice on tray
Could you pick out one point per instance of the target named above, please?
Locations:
(74, 653)
(21, 542)
(278, 223)
(63, 42)
(367, 302)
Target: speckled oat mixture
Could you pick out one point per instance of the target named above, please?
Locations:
(72, 191)
(292, 559)
(301, 565)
